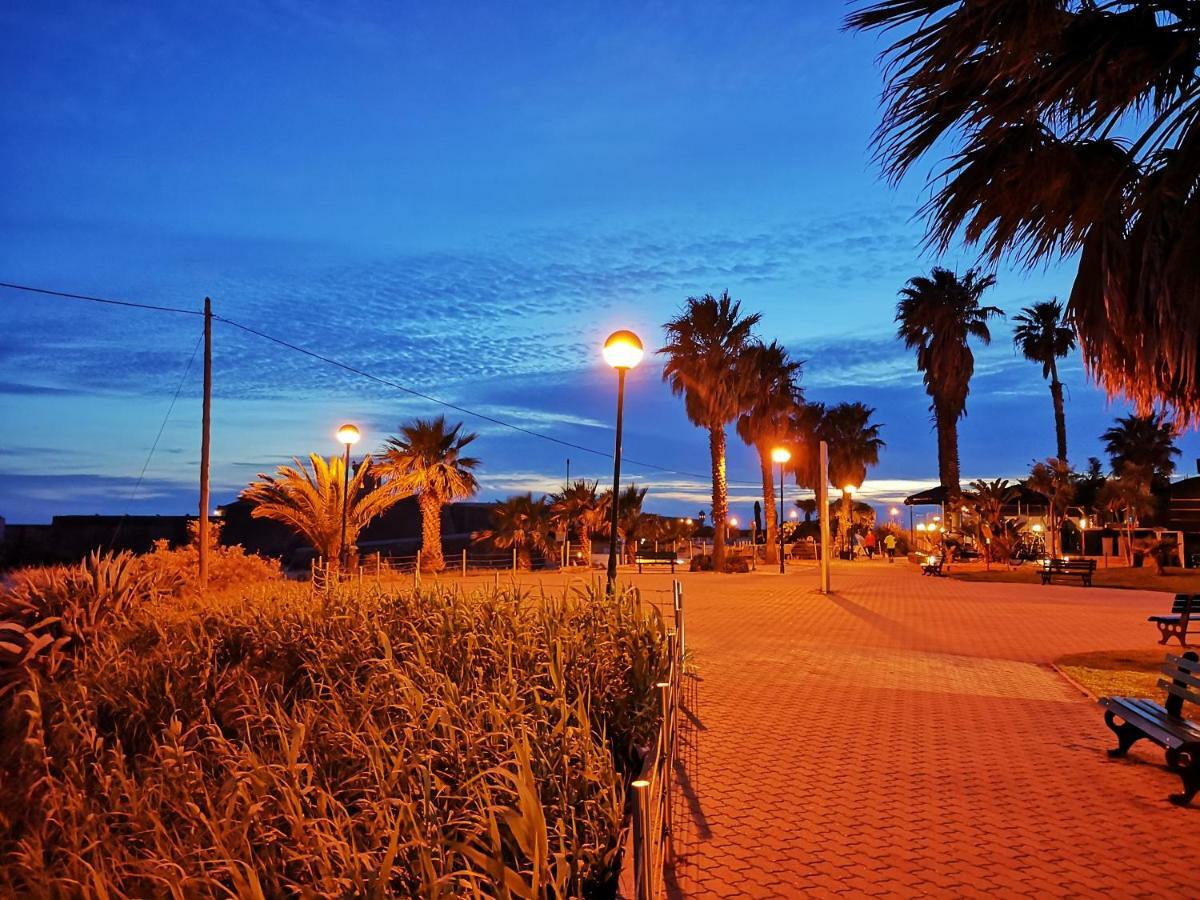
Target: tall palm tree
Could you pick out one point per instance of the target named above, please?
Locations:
(1143, 442)
(523, 523)
(804, 441)
(704, 347)
(581, 508)
(771, 376)
(630, 520)
(309, 501)
(854, 446)
(427, 459)
(1043, 338)
(1071, 129)
(937, 315)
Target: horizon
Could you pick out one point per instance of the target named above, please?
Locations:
(465, 203)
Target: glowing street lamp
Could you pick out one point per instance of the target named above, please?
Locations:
(348, 435)
(781, 455)
(623, 350)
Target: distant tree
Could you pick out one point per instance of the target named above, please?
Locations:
(581, 508)
(704, 348)
(1128, 497)
(1042, 337)
(630, 520)
(524, 523)
(1065, 129)
(308, 499)
(427, 459)
(1088, 485)
(808, 506)
(1143, 442)
(1052, 479)
(805, 432)
(989, 499)
(771, 376)
(937, 317)
(854, 446)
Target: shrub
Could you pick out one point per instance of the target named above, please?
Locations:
(228, 566)
(271, 742)
(701, 562)
(737, 564)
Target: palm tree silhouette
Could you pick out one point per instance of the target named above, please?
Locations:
(1043, 338)
(308, 499)
(704, 350)
(426, 459)
(523, 523)
(771, 376)
(937, 315)
(854, 446)
(1146, 443)
(580, 507)
(1070, 133)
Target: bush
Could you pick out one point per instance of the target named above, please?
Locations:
(701, 562)
(737, 564)
(228, 566)
(271, 742)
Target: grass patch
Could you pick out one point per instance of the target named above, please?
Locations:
(1116, 673)
(1175, 581)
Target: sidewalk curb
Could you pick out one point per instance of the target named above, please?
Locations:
(1075, 684)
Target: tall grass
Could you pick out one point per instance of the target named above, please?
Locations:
(368, 742)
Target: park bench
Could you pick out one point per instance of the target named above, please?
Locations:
(1083, 569)
(1164, 724)
(655, 558)
(1175, 624)
(933, 566)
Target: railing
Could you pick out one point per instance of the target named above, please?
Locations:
(652, 788)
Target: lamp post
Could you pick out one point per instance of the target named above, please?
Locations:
(781, 455)
(623, 350)
(348, 435)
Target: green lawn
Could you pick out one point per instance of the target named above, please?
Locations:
(1176, 581)
(1108, 673)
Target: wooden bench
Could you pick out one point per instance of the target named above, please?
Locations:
(1164, 724)
(1082, 569)
(655, 558)
(1175, 625)
(933, 566)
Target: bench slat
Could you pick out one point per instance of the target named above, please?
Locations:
(1171, 672)
(1152, 719)
(1172, 688)
(1190, 664)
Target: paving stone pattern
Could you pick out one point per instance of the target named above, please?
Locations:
(906, 736)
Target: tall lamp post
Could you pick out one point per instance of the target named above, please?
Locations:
(623, 350)
(781, 455)
(348, 435)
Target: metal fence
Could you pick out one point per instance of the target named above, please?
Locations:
(652, 788)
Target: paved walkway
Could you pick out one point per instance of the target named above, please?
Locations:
(905, 736)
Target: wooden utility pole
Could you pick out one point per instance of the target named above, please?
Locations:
(823, 511)
(205, 442)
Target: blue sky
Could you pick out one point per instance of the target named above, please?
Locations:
(464, 198)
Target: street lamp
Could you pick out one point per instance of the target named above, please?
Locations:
(781, 455)
(349, 436)
(623, 350)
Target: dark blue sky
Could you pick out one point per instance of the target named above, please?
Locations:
(465, 198)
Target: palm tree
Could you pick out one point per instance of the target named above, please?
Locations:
(630, 521)
(808, 506)
(704, 347)
(1053, 480)
(1143, 442)
(937, 315)
(854, 446)
(804, 442)
(426, 459)
(989, 499)
(1043, 338)
(523, 523)
(771, 375)
(1065, 132)
(1128, 497)
(309, 501)
(581, 508)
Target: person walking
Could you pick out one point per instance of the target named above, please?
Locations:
(859, 545)
(871, 542)
(889, 544)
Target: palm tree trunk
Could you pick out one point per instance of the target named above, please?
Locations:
(720, 489)
(431, 533)
(948, 473)
(1060, 417)
(769, 516)
(844, 526)
(585, 543)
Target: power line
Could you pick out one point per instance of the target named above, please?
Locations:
(128, 303)
(370, 376)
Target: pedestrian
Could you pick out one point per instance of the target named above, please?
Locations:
(871, 543)
(889, 544)
(859, 548)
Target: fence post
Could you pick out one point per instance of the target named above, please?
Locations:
(643, 852)
(514, 559)
(666, 704)
(464, 564)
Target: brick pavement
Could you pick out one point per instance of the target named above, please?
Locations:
(906, 736)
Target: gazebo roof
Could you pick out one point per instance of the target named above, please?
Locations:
(936, 496)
